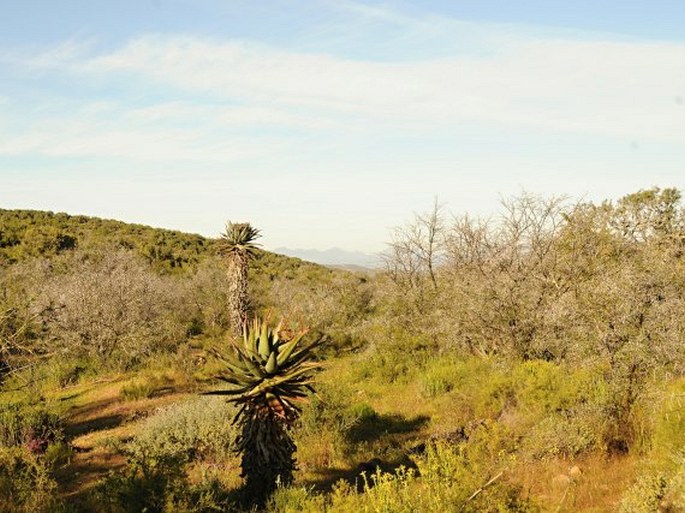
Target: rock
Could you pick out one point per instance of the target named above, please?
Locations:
(561, 481)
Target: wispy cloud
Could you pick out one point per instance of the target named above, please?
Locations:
(365, 100)
(585, 87)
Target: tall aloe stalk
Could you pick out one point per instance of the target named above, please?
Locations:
(269, 373)
(237, 243)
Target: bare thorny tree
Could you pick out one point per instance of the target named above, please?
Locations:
(21, 340)
(467, 264)
(416, 250)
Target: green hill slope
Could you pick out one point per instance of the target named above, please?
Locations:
(31, 233)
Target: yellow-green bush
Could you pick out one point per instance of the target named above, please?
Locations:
(144, 386)
(565, 434)
(448, 478)
(26, 485)
(668, 420)
(27, 425)
(550, 387)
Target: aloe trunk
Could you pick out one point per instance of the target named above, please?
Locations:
(239, 246)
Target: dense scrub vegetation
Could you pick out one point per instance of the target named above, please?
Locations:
(529, 362)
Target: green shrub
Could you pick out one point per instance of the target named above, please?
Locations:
(199, 427)
(395, 356)
(25, 483)
(438, 378)
(158, 486)
(646, 495)
(143, 485)
(63, 373)
(551, 387)
(668, 418)
(447, 479)
(564, 434)
(58, 454)
(658, 490)
(329, 410)
(322, 434)
(154, 479)
(142, 388)
(674, 497)
(32, 426)
(296, 500)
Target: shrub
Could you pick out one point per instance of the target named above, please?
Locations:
(296, 500)
(144, 387)
(111, 307)
(646, 495)
(143, 485)
(138, 389)
(551, 387)
(438, 378)
(32, 426)
(62, 372)
(674, 498)
(448, 479)
(154, 479)
(25, 483)
(668, 418)
(565, 435)
(321, 437)
(199, 427)
(58, 455)
(158, 486)
(658, 489)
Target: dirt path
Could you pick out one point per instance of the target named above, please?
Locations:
(98, 420)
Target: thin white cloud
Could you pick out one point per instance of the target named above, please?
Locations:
(605, 88)
(40, 59)
(111, 130)
(608, 88)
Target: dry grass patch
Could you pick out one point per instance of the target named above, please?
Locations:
(593, 483)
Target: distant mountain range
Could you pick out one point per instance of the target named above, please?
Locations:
(333, 257)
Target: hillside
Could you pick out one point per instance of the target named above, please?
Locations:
(529, 363)
(26, 234)
(31, 233)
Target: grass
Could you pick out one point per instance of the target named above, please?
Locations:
(491, 412)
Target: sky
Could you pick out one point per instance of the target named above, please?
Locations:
(325, 123)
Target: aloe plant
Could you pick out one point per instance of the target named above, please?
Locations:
(238, 244)
(268, 373)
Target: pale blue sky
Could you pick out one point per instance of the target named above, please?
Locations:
(327, 122)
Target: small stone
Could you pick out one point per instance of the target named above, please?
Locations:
(561, 481)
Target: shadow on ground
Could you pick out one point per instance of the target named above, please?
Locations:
(359, 476)
(87, 418)
(368, 430)
(96, 424)
(374, 427)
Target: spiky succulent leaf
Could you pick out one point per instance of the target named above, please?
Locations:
(240, 238)
(267, 363)
(272, 364)
(269, 373)
(285, 350)
(264, 342)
